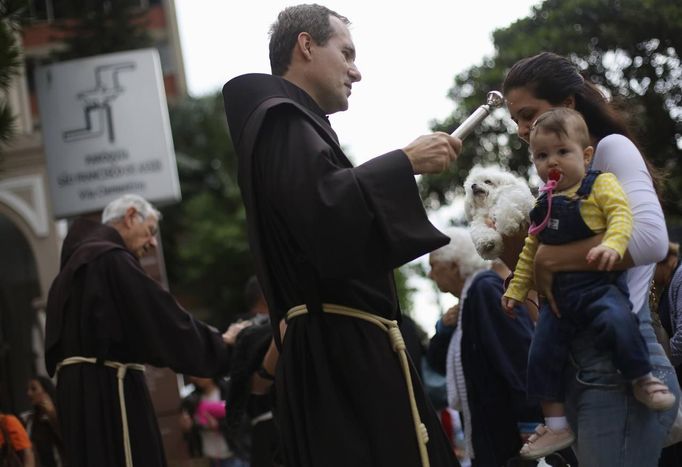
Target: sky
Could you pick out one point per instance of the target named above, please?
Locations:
(408, 54)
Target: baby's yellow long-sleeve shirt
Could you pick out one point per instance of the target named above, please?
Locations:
(606, 210)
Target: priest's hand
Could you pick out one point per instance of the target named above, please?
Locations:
(230, 336)
(433, 153)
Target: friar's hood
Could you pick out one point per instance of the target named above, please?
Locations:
(245, 94)
(84, 231)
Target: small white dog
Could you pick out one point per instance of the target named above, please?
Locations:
(502, 199)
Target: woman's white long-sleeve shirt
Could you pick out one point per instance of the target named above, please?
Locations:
(649, 241)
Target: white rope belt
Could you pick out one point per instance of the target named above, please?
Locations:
(262, 418)
(121, 369)
(398, 345)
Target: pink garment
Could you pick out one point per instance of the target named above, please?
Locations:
(554, 177)
(215, 409)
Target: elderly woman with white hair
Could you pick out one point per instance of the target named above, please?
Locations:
(486, 354)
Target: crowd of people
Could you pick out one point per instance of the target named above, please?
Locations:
(323, 369)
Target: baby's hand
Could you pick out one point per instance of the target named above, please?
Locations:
(508, 305)
(606, 256)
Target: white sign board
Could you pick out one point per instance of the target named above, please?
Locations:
(106, 131)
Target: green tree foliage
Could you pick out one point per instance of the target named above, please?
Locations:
(100, 27)
(629, 47)
(11, 14)
(205, 242)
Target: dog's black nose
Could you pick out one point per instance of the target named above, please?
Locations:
(476, 189)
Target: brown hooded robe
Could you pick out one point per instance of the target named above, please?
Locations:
(323, 231)
(103, 305)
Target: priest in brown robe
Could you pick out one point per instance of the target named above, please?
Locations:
(326, 237)
(105, 319)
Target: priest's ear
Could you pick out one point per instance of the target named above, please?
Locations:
(130, 217)
(304, 43)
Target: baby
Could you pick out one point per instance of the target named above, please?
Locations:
(575, 204)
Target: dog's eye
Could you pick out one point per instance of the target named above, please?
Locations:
(488, 182)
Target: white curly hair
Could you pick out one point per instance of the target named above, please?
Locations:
(116, 209)
(461, 251)
(494, 195)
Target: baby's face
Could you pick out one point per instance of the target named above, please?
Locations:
(563, 155)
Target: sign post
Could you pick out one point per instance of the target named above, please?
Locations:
(106, 131)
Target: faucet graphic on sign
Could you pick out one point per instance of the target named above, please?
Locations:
(96, 103)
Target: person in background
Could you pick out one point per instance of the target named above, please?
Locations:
(668, 301)
(486, 355)
(250, 403)
(106, 317)
(257, 307)
(666, 310)
(206, 415)
(658, 302)
(42, 423)
(15, 444)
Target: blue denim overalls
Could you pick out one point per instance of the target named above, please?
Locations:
(595, 299)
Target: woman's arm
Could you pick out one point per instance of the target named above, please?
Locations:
(649, 241)
(572, 257)
(512, 246)
(550, 259)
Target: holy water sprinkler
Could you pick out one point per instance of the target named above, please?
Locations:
(494, 99)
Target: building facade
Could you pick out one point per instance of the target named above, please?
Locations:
(30, 236)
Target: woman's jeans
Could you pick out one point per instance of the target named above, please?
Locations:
(612, 428)
(597, 300)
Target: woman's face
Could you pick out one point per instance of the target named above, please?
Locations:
(35, 392)
(524, 109)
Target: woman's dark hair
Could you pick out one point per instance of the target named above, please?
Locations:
(554, 78)
(313, 19)
(47, 385)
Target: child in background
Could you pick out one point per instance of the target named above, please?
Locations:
(586, 203)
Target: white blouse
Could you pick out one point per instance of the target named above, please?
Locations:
(649, 242)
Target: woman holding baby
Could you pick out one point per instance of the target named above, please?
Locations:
(612, 428)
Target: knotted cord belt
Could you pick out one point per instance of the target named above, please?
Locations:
(398, 345)
(121, 369)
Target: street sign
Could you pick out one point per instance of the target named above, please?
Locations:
(106, 131)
